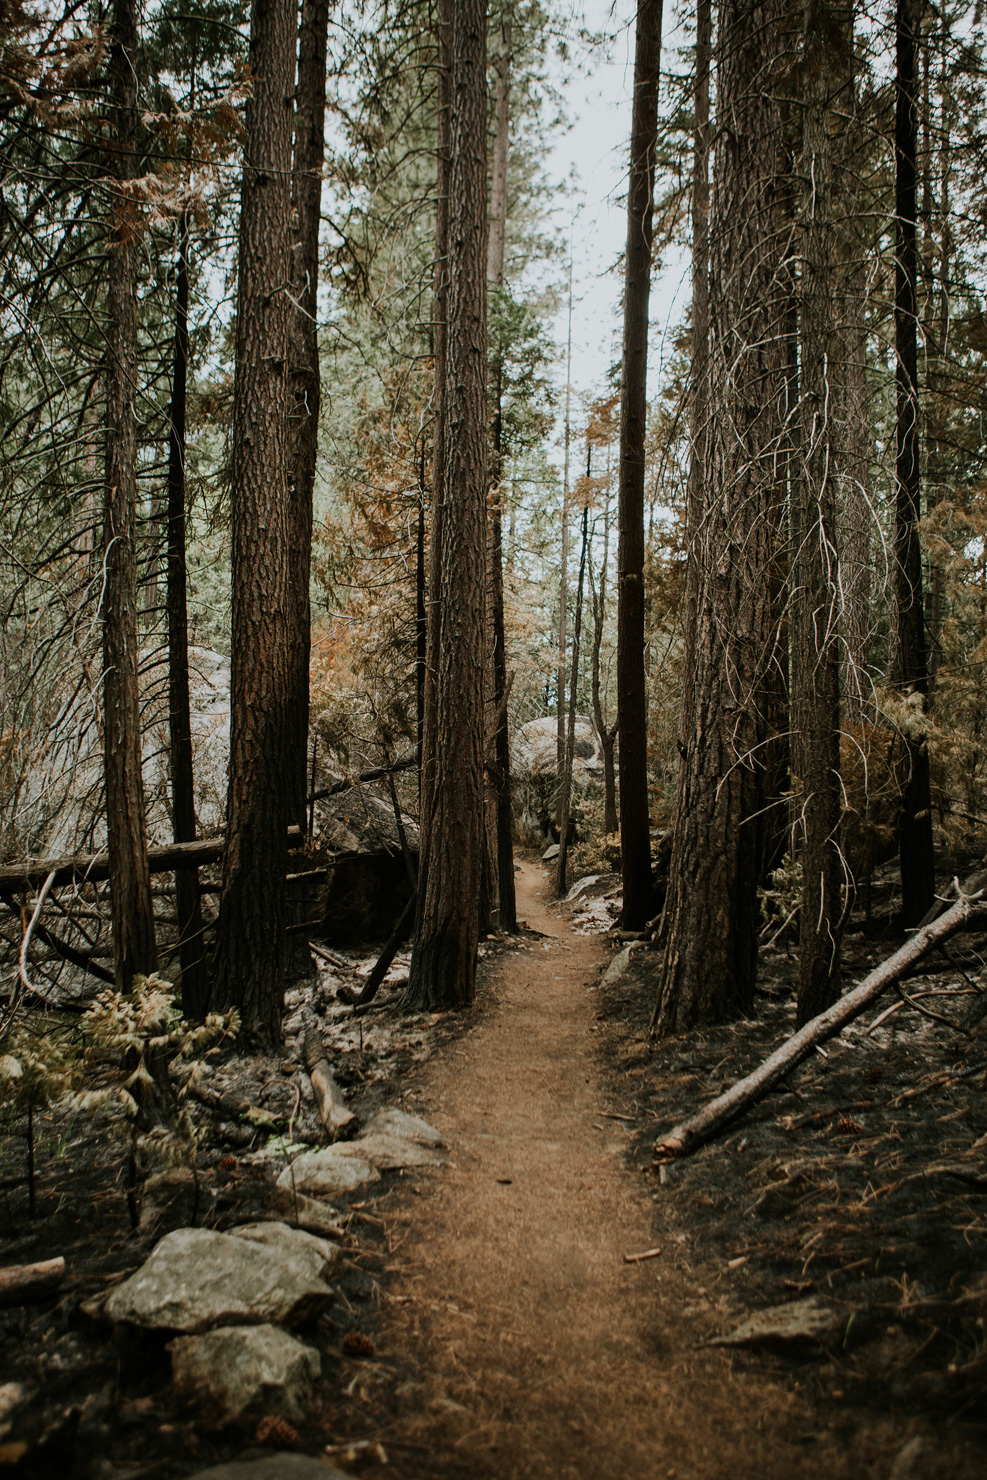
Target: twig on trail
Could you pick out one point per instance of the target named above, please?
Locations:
(612, 1115)
(636, 1258)
(722, 1111)
(328, 956)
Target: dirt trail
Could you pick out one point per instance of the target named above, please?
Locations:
(539, 1352)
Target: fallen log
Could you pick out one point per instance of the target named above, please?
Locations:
(90, 868)
(697, 1129)
(335, 1114)
(22, 1283)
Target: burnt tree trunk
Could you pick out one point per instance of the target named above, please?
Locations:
(632, 707)
(711, 913)
(195, 975)
(816, 616)
(910, 670)
(250, 950)
(500, 811)
(443, 965)
(309, 154)
(130, 890)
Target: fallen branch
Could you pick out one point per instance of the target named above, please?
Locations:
(348, 782)
(90, 868)
(689, 1134)
(335, 1114)
(22, 1283)
(383, 963)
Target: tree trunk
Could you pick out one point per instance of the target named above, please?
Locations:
(250, 951)
(911, 660)
(130, 891)
(606, 734)
(309, 154)
(570, 739)
(632, 710)
(711, 911)
(500, 811)
(195, 974)
(827, 36)
(443, 966)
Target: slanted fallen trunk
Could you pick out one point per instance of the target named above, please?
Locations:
(383, 963)
(22, 1283)
(334, 1112)
(693, 1132)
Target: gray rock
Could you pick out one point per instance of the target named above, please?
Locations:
(621, 963)
(236, 1370)
(195, 1278)
(387, 1153)
(308, 1213)
(333, 1169)
(12, 1395)
(311, 1256)
(390, 1121)
(535, 748)
(551, 853)
(796, 1321)
(592, 884)
(272, 1467)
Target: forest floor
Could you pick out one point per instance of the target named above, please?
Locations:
(501, 1329)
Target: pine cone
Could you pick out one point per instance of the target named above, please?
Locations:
(355, 1344)
(275, 1433)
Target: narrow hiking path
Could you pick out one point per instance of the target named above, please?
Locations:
(536, 1350)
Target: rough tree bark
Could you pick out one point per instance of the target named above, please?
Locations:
(310, 111)
(250, 947)
(500, 811)
(443, 964)
(632, 712)
(910, 671)
(710, 923)
(827, 36)
(130, 890)
(195, 974)
(570, 737)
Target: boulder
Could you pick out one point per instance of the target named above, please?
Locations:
(196, 1278)
(333, 1169)
(535, 749)
(368, 882)
(272, 1467)
(591, 886)
(237, 1370)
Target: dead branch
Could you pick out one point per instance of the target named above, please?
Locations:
(383, 962)
(335, 1114)
(22, 1283)
(89, 868)
(693, 1132)
(405, 764)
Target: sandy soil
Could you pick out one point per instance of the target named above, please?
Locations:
(535, 1349)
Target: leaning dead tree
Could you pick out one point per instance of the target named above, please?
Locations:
(707, 1123)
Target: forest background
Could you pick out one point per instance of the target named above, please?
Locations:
(810, 496)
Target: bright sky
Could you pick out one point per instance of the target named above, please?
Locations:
(595, 153)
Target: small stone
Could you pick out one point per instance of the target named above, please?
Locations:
(621, 963)
(12, 1395)
(550, 853)
(273, 1467)
(390, 1121)
(308, 1213)
(796, 1321)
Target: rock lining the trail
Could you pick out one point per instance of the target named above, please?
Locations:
(272, 1467)
(333, 1169)
(796, 1321)
(237, 1370)
(195, 1278)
